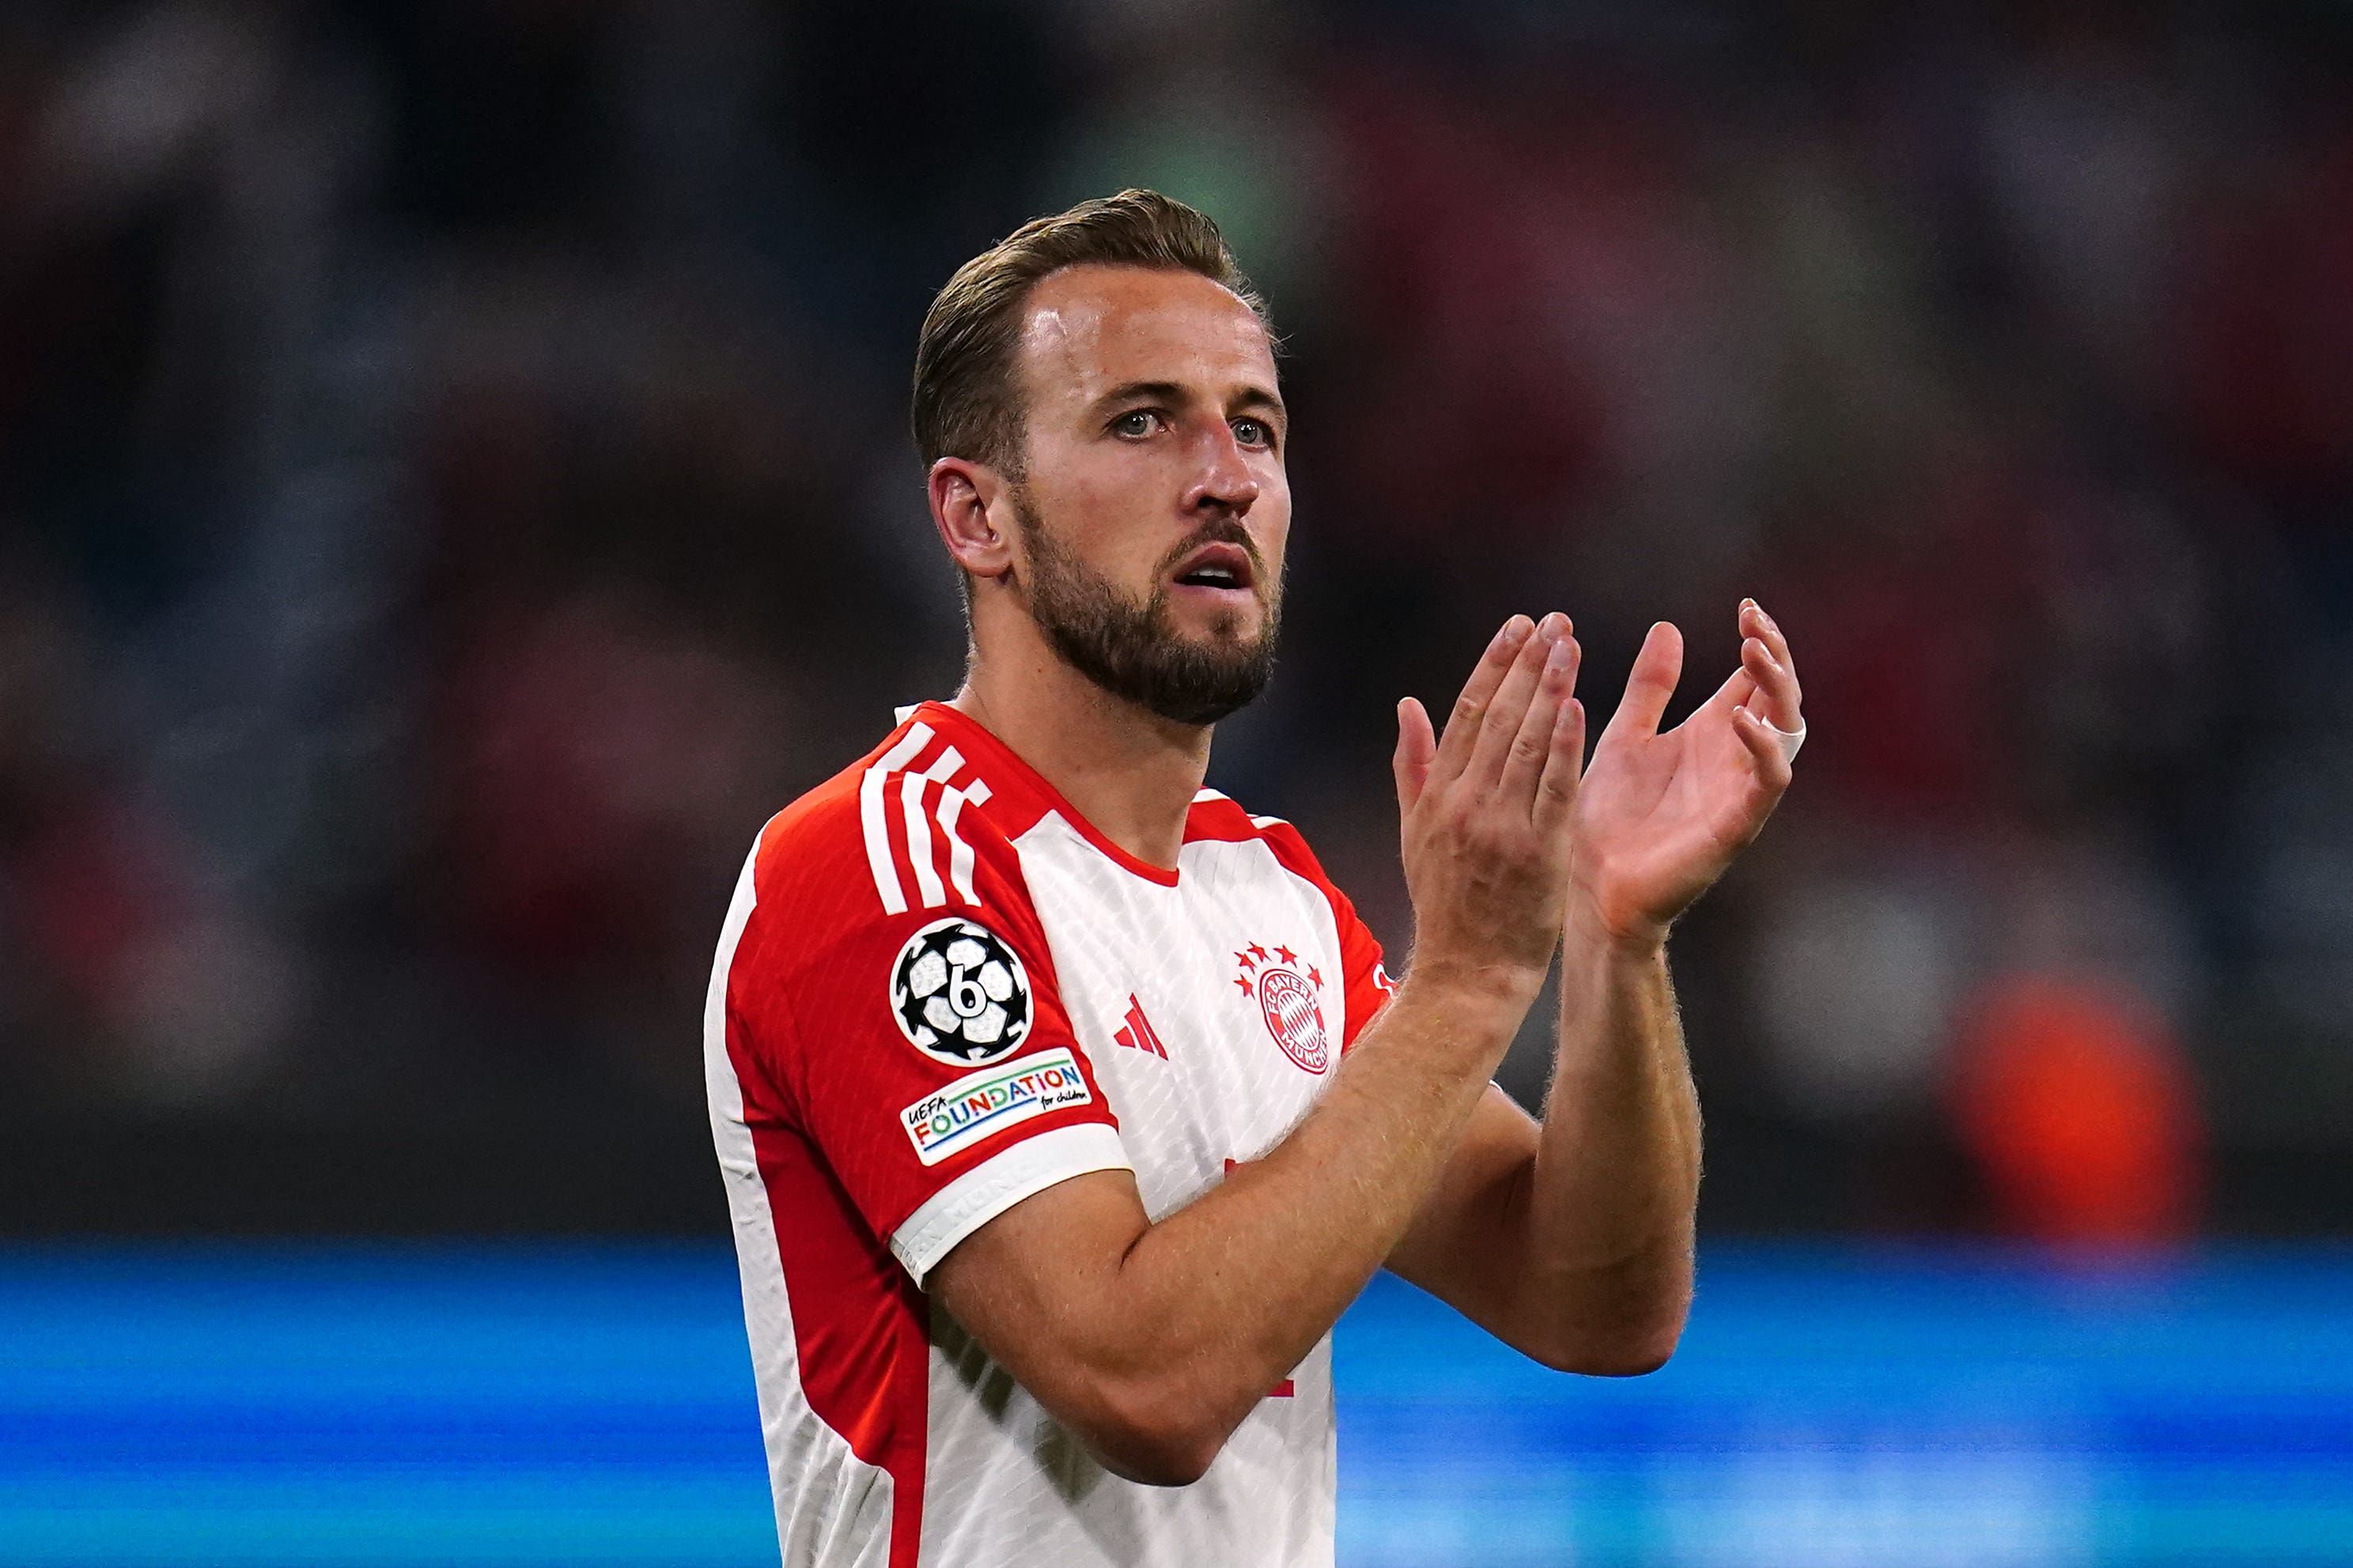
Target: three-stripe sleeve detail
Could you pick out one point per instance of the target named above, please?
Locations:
(925, 796)
(878, 857)
(919, 826)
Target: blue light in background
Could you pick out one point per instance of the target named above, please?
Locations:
(382, 1406)
(1890, 1406)
(378, 1407)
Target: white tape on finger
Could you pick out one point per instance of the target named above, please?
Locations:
(1790, 739)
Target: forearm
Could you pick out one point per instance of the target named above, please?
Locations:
(1571, 1238)
(1218, 1301)
(1153, 1340)
(1606, 1261)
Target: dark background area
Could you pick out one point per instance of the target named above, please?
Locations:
(454, 486)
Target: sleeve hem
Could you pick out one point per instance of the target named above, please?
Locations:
(988, 1189)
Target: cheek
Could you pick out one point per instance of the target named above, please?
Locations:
(1087, 534)
(1084, 491)
(1270, 520)
(1113, 516)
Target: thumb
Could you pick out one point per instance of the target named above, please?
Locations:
(1650, 685)
(1416, 748)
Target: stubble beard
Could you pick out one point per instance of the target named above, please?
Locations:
(1132, 649)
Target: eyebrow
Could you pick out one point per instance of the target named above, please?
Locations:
(1257, 398)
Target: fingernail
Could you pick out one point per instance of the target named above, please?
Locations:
(1558, 659)
(1554, 625)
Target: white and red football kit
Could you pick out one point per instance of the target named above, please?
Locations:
(938, 992)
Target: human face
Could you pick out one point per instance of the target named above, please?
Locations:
(1153, 504)
(1132, 649)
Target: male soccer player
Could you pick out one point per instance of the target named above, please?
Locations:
(1063, 1105)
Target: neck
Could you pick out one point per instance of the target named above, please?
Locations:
(1130, 772)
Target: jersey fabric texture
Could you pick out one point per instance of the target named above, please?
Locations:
(938, 992)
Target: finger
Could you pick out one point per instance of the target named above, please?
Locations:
(1776, 699)
(1736, 690)
(1649, 685)
(1471, 708)
(1531, 748)
(1772, 763)
(1416, 746)
(1564, 770)
(1756, 622)
(1501, 728)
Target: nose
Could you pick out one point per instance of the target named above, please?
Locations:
(1224, 480)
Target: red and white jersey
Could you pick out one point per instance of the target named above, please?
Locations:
(938, 992)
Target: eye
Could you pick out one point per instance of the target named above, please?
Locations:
(1253, 432)
(1135, 422)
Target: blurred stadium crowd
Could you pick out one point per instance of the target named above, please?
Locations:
(454, 485)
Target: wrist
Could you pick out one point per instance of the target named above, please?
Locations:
(1499, 992)
(1629, 939)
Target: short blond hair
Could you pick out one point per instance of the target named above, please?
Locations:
(966, 400)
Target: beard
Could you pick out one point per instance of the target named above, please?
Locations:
(1131, 648)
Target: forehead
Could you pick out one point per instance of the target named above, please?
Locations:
(1087, 329)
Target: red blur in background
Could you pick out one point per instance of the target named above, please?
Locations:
(2081, 1113)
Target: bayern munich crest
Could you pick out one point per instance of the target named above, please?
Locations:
(1289, 991)
(960, 995)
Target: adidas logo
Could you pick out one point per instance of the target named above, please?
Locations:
(1137, 1033)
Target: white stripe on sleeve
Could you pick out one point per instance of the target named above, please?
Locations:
(951, 807)
(919, 829)
(991, 1187)
(869, 816)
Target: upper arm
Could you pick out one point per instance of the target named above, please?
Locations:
(924, 1051)
(1473, 1245)
(1039, 1288)
(1031, 1285)
(1469, 1239)
(1001, 1186)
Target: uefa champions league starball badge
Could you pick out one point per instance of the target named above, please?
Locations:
(960, 995)
(1289, 991)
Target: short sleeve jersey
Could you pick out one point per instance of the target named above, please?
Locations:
(939, 992)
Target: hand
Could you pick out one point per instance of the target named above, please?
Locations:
(1483, 815)
(1661, 816)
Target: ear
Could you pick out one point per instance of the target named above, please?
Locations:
(972, 510)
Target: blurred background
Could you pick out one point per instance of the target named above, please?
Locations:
(454, 486)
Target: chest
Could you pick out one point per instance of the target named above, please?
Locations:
(1212, 1010)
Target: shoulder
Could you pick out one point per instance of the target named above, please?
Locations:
(911, 835)
(902, 828)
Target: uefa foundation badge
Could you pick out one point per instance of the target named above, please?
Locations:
(1289, 991)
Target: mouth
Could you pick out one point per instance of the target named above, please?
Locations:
(1216, 568)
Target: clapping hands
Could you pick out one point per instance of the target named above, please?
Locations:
(1661, 814)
